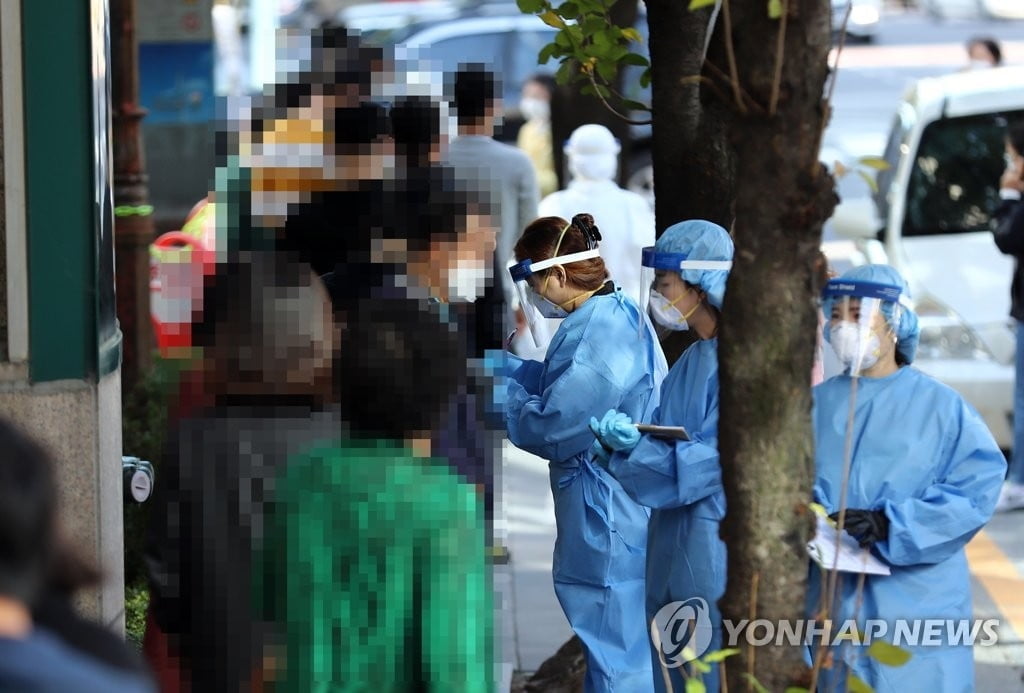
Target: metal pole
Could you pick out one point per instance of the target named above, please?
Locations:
(133, 215)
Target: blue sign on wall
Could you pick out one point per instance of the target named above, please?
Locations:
(176, 82)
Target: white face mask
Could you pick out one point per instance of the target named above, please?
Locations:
(856, 346)
(666, 314)
(535, 109)
(980, 65)
(546, 307)
(466, 283)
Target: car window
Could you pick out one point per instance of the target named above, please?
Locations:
(954, 181)
(487, 48)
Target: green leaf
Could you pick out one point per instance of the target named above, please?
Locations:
(565, 72)
(875, 162)
(635, 59)
(562, 40)
(546, 53)
(700, 666)
(695, 686)
(774, 9)
(530, 6)
(719, 655)
(754, 682)
(569, 10)
(699, 4)
(552, 19)
(593, 25)
(868, 179)
(607, 70)
(855, 685)
(635, 105)
(632, 34)
(887, 654)
(645, 78)
(796, 689)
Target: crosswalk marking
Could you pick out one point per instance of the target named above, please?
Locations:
(1000, 578)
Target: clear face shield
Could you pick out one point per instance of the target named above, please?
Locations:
(663, 293)
(531, 285)
(858, 329)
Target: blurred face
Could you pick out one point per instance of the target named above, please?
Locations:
(534, 90)
(979, 53)
(459, 269)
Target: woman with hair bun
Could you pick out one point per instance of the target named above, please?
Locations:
(604, 355)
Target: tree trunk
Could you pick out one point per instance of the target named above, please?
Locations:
(692, 159)
(769, 323)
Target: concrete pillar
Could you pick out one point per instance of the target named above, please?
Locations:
(60, 357)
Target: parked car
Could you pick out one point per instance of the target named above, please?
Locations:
(945, 153)
(863, 21)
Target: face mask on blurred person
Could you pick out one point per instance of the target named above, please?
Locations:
(535, 109)
(855, 345)
(466, 283)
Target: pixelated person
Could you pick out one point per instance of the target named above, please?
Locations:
(508, 178)
(268, 339)
(374, 569)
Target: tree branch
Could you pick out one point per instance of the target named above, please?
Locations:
(721, 73)
(780, 47)
(597, 92)
(734, 77)
(702, 79)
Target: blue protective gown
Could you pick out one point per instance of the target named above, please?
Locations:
(596, 361)
(923, 456)
(682, 482)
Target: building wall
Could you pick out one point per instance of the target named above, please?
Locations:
(58, 389)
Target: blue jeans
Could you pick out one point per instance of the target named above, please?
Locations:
(1016, 468)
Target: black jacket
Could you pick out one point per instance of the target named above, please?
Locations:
(1008, 229)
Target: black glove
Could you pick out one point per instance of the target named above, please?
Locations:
(868, 526)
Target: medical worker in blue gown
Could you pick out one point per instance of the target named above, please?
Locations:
(924, 475)
(680, 480)
(605, 354)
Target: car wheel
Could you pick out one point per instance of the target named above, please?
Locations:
(640, 176)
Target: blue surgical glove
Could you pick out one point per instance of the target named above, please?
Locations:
(616, 431)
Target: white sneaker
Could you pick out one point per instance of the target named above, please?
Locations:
(1011, 497)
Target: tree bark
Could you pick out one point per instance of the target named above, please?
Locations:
(693, 162)
(769, 323)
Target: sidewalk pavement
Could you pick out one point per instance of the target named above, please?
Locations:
(533, 626)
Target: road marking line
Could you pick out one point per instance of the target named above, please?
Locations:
(1000, 578)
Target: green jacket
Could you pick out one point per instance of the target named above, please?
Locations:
(374, 572)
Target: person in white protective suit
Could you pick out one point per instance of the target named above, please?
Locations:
(625, 218)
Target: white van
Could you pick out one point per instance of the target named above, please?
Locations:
(945, 153)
